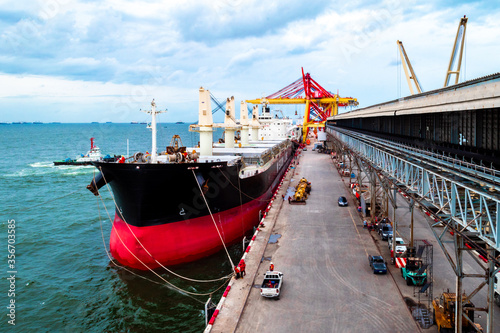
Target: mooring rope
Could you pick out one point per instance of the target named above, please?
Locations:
(54, 199)
(144, 248)
(212, 216)
(150, 269)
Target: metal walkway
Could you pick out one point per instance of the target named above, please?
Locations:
(458, 191)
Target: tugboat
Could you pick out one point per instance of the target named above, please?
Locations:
(186, 203)
(93, 155)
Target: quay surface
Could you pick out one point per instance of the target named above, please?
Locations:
(323, 251)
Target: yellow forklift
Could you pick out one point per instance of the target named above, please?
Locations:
(444, 313)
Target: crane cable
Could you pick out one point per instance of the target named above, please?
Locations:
(150, 269)
(211, 215)
(138, 241)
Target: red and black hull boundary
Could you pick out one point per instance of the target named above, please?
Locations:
(162, 216)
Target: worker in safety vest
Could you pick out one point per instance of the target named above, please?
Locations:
(237, 272)
(271, 267)
(243, 267)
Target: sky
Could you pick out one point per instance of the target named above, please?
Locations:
(104, 60)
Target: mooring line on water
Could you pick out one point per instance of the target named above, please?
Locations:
(132, 272)
(212, 216)
(144, 248)
(151, 270)
(51, 200)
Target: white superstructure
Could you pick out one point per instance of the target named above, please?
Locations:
(274, 128)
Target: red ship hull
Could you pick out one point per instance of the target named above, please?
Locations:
(183, 241)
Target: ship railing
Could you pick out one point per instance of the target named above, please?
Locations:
(251, 160)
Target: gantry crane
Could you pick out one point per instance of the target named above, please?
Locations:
(320, 104)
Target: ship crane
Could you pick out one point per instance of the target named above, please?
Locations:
(459, 39)
(408, 68)
(320, 104)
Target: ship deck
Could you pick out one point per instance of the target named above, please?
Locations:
(223, 154)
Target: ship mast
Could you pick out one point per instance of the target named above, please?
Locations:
(153, 113)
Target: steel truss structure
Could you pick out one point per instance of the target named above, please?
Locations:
(458, 199)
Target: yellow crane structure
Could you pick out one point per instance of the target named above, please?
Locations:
(459, 39)
(410, 74)
(320, 104)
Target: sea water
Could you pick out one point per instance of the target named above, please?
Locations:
(64, 280)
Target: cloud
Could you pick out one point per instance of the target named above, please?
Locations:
(146, 49)
(212, 21)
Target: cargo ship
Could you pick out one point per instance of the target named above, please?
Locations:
(183, 204)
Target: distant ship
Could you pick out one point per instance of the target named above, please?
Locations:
(186, 203)
(134, 122)
(180, 122)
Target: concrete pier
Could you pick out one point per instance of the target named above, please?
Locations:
(323, 251)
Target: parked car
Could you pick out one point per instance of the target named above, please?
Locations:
(304, 149)
(318, 146)
(377, 263)
(400, 247)
(385, 230)
(343, 201)
(271, 286)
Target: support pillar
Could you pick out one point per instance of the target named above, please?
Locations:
(412, 205)
(459, 245)
(394, 221)
(373, 194)
(491, 290)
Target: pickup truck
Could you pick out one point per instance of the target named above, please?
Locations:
(271, 286)
(377, 263)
